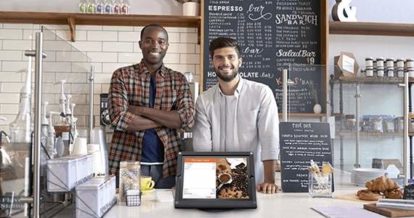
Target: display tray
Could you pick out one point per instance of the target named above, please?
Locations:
(389, 212)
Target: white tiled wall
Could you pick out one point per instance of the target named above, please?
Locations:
(108, 47)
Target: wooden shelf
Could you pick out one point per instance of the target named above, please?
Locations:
(313, 115)
(349, 133)
(368, 28)
(73, 19)
(369, 80)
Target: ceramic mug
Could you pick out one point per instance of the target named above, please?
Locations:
(147, 184)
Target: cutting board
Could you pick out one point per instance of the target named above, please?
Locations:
(389, 212)
(351, 197)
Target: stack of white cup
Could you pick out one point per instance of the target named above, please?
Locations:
(79, 146)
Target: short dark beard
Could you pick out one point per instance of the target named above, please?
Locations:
(227, 78)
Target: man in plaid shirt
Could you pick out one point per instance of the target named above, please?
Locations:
(148, 103)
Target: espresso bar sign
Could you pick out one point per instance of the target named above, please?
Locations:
(272, 35)
(299, 143)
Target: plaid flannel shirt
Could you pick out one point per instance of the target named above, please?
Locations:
(130, 86)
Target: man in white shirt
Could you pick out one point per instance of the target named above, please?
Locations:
(238, 115)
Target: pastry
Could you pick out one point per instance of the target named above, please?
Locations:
(394, 194)
(367, 195)
(381, 184)
(230, 193)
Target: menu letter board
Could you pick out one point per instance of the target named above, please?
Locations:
(299, 143)
(272, 35)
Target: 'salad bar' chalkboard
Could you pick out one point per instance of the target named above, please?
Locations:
(300, 143)
(272, 35)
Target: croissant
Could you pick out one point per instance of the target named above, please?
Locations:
(394, 194)
(381, 184)
(368, 195)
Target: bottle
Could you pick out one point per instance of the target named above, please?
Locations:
(5, 159)
(73, 120)
(125, 7)
(117, 6)
(45, 123)
(60, 147)
(62, 129)
(100, 5)
(91, 7)
(82, 6)
(20, 128)
(50, 142)
(108, 7)
(62, 99)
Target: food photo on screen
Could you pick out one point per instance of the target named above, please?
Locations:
(232, 178)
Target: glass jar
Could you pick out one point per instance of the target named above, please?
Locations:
(410, 71)
(380, 67)
(369, 72)
(409, 63)
(400, 68)
(320, 185)
(369, 63)
(369, 67)
(390, 67)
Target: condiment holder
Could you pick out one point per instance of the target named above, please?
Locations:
(320, 180)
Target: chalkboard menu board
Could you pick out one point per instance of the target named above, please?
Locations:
(300, 143)
(272, 35)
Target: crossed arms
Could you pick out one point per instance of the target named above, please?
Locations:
(127, 117)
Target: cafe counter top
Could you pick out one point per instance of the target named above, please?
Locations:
(159, 203)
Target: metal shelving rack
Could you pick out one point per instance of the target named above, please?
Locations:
(384, 29)
(342, 133)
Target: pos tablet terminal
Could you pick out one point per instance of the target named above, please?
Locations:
(215, 180)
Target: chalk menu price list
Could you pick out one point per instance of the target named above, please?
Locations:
(304, 90)
(297, 33)
(251, 23)
(298, 42)
(300, 143)
(272, 36)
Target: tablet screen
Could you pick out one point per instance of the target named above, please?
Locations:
(207, 177)
(215, 180)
